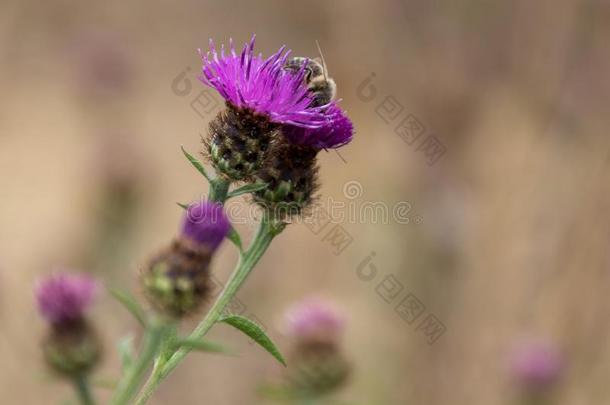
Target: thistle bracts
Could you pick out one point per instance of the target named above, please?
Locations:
(71, 347)
(291, 175)
(177, 280)
(317, 369)
(238, 142)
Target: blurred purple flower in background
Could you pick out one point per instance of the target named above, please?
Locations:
(206, 224)
(102, 61)
(314, 318)
(64, 297)
(536, 365)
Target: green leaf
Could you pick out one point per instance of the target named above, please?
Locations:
(203, 345)
(197, 164)
(130, 303)
(248, 188)
(183, 206)
(125, 347)
(234, 237)
(255, 332)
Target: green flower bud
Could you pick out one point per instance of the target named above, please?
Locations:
(291, 175)
(316, 370)
(177, 281)
(238, 142)
(72, 348)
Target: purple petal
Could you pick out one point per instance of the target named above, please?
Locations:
(64, 297)
(249, 81)
(206, 223)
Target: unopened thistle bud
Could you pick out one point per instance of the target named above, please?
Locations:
(72, 346)
(261, 95)
(238, 142)
(177, 281)
(318, 366)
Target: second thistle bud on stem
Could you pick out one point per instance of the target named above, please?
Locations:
(177, 280)
(291, 175)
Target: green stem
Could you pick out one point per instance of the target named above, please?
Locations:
(265, 234)
(219, 188)
(81, 385)
(133, 379)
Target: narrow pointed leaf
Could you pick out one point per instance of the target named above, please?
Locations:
(130, 303)
(183, 206)
(196, 163)
(255, 332)
(248, 188)
(234, 237)
(203, 345)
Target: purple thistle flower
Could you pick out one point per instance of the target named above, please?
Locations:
(314, 318)
(536, 365)
(64, 297)
(262, 85)
(336, 133)
(206, 224)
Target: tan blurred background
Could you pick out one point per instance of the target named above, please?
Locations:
(509, 228)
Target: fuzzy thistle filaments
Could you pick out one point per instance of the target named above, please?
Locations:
(177, 280)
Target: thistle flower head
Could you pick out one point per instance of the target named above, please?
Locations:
(205, 224)
(314, 318)
(248, 81)
(337, 132)
(64, 297)
(535, 365)
(177, 280)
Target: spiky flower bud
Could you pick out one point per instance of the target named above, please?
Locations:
(71, 346)
(238, 142)
(177, 280)
(318, 366)
(291, 175)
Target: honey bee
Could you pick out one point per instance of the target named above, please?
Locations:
(322, 88)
